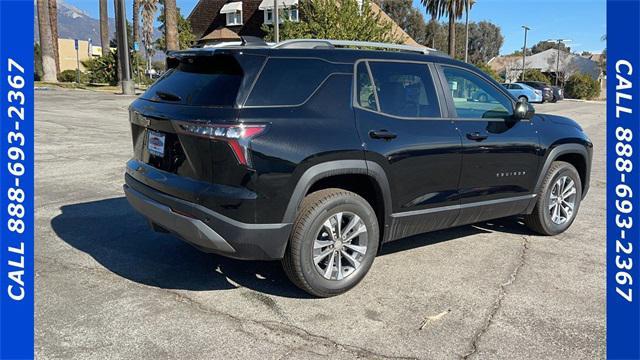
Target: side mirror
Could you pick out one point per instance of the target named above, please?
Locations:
(523, 110)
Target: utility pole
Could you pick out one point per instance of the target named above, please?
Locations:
(559, 41)
(524, 51)
(128, 87)
(76, 45)
(276, 22)
(466, 29)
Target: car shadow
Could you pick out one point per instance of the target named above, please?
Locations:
(120, 239)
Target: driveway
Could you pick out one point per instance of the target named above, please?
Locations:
(109, 288)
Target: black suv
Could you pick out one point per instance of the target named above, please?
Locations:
(319, 155)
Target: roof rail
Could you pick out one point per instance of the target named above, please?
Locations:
(328, 43)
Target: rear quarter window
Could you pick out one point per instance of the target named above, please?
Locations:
(288, 81)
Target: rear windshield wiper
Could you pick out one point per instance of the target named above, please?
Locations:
(168, 96)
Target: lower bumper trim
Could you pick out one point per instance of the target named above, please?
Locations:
(191, 230)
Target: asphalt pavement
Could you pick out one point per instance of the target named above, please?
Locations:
(109, 288)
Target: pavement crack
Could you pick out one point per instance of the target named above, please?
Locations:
(312, 340)
(497, 304)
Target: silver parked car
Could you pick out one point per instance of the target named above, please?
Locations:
(524, 92)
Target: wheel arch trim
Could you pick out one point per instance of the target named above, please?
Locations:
(338, 167)
(554, 154)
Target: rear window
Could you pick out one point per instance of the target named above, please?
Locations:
(286, 81)
(405, 89)
(199, 81)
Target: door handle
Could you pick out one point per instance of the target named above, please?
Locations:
(382, 134)
(476, 136)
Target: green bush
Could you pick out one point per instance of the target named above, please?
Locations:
(535, 75)
(103, 70)
(581, 86)
(70, 76)
(37, 66)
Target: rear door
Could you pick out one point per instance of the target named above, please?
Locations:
(404, 129)
(499, 154)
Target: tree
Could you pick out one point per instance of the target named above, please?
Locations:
(436, 35)
(104, 27)
(46, 43)
(406, 16)
(336, 19)
(171, 24)
(185, 34)
(453, 9)
(136, 21)
(546, 45)
(485, 41)
(53, 18)
(149, 9)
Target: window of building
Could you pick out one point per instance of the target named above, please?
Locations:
(233, 11)
(234, 18)
(288, 13)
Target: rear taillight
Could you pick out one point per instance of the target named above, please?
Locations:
(237, 136)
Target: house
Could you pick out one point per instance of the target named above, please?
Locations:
(549, 62)
(214, 21)
(552, 64)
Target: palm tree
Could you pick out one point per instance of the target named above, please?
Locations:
(453, 9)
(148, 10)
(136, 21)
(171, 25)
(46, 46)
(53, 19)
(104, 27)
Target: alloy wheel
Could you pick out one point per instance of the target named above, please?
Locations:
(562, 200)
(340, 246)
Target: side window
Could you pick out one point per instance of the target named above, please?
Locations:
(405, 89)
(365, 96)
(285, 81)
(516, 87)
(474, 97)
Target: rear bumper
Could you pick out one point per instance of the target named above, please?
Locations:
(205, 229)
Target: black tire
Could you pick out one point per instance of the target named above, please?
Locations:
(540, 220)
(522, 97)
(554, 100)
(316, 208)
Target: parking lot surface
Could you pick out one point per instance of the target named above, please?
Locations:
(109, 288)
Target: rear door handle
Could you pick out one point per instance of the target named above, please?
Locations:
(476, 136)
(382, 134)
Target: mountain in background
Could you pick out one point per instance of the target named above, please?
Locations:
(74, 23)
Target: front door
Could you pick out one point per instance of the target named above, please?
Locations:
(400, 121)
(499, 153)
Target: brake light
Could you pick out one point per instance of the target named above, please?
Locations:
(237, 136)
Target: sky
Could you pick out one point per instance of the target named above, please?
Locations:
(581, 21)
